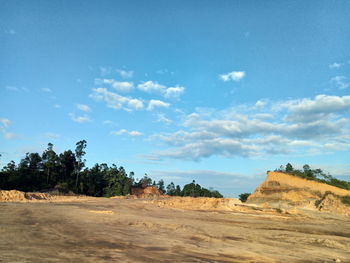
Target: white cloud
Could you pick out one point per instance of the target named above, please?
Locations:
(125, 74)
(126, 132)
(115, 100)
(151, 87)
(174, 92)
(135, 104)
(162, 118)
(46, 90)
(83, 107)
(305, 125)
(167, 92)
(157, 104)
(79, 119)
(57, 106)
(234, 75)
(122, 86)
(260, 103)
(5, 123)
(335, 65)
(340, 82)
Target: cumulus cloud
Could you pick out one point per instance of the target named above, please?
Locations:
(340, 82)
(310, 125)
(121, 86)
(167, 92)
(126, 132)
(174, 92)
(80, 119)
(116, 101)
(157, 104)
(233, 76)
(83, 107)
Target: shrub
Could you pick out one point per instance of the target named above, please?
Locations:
(243, 197)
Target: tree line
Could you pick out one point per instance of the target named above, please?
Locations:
(315, 175)
(67, 173)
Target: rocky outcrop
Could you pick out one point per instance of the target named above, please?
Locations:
(284, 190)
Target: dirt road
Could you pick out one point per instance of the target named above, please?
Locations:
(127, 230)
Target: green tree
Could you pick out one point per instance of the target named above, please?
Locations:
(289, 168)
(50, 160)
(80, 162)
(160, 186)
(170, 189)
(243, 197)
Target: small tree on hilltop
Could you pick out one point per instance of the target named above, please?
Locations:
(243, 197)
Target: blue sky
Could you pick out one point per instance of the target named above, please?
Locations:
(216, 91)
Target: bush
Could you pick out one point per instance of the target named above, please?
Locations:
(243, 197)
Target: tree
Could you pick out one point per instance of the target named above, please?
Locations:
(178, 191)
(170, 189)
(50, 160)
(80, 162)
(160, 186)
(308, 172)
(289, 168)
(243, 197)
(67, 165)
(146, 181)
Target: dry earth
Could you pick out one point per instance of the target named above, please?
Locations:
(145, 230)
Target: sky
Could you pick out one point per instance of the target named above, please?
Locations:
(215, 91)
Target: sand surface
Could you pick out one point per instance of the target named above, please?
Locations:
(140, 230)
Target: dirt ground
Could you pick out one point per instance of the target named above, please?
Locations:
(138, 230)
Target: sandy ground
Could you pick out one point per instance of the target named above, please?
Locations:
(137, 230)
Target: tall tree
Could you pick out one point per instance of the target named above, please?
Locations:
(80, 162)
(50, 160)
(289, 168)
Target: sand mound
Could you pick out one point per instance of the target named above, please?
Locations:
(14, 195)
(148, 191)
(332, 203)
(19, 196)
(199, 203)
(284, 190)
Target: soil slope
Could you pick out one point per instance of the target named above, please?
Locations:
(284, 190)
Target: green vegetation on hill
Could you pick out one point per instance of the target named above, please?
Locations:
(315, 175)
(66, 173)
(244, 197)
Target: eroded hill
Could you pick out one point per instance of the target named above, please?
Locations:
(285, 191)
